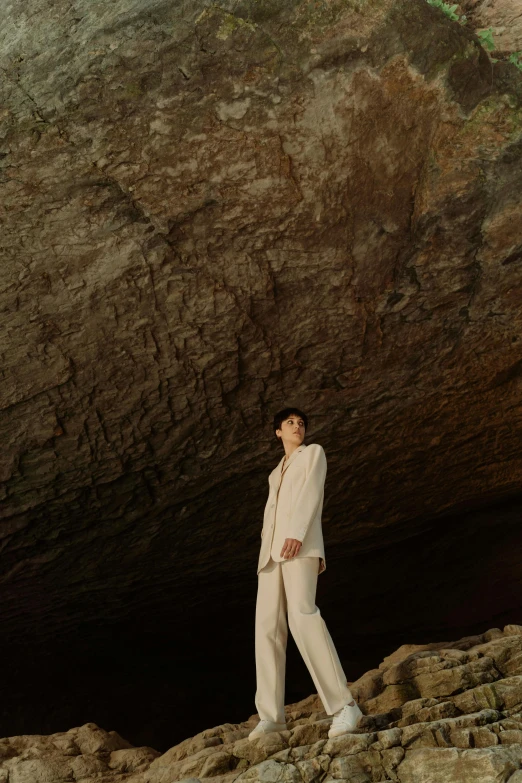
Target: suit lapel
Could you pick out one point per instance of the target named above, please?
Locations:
(282, 468)
(278, 472)
(294, 454)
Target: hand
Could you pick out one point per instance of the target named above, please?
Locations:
(290, 548)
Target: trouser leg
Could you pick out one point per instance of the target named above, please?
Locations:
(271, 634)
(311, 634)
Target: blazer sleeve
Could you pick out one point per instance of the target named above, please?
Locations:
(311, 493)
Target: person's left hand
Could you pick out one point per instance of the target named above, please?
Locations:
(290, 548)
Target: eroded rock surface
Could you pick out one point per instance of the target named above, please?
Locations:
(86, 753)
(210, 211)
(441, 713)
(504, 17)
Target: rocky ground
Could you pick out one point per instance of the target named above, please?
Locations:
(439, 713)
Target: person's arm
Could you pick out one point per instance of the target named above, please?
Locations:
(311, 493)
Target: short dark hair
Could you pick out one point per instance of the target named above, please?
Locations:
(280, 417)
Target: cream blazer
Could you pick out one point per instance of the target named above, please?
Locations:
(295, 503)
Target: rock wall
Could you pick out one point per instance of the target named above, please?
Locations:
(210, 211)
(503, 16)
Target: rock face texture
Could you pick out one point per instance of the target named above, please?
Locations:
(213, 210)
(439, 713)
(503, 16)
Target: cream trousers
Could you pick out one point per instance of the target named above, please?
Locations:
(290, 587)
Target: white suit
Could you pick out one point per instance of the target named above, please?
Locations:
(294, 505)
(293, 510)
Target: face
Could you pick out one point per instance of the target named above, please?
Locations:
(292, 430)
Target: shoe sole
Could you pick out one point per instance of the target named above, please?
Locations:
(262, 733)
(348, 731)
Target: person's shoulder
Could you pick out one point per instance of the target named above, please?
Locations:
(314, 449)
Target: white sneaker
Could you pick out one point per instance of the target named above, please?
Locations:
(265, 727)
(345, 720)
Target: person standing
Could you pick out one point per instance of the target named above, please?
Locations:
(290, 559)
